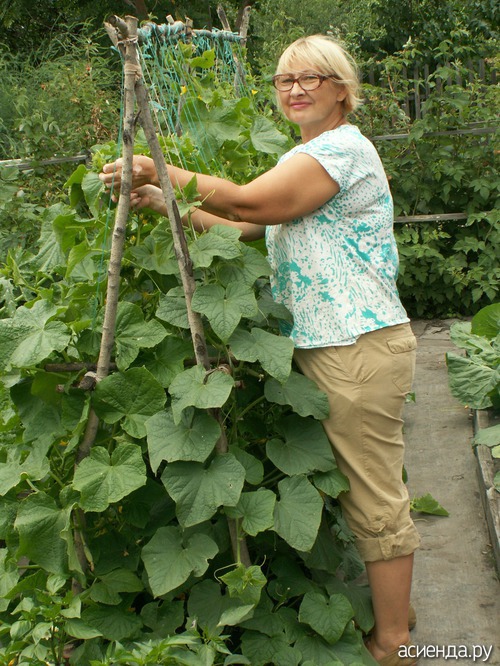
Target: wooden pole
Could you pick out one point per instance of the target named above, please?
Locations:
(239, 76)
(239, 546)
(117, 243)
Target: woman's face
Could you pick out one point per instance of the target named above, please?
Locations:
(315, 111)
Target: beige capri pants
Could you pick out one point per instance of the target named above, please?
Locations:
(367, 384)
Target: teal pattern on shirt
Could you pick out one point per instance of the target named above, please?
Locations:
(336, 268)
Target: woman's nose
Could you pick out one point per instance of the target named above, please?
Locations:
(296, 88)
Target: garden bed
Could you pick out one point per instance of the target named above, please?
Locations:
(487, 466)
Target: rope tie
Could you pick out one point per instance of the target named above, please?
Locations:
(130, 68)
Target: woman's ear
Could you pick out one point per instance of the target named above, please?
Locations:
(341, 92)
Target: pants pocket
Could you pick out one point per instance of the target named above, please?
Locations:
(404, 355)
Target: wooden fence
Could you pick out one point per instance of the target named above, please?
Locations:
(414, 84)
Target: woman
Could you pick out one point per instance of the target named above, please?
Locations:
(326, 212)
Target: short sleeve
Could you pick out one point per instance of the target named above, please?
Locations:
(348, 159)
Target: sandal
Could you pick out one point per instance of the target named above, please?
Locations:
(394, 658)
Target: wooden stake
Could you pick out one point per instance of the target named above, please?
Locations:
(117, 243)
(239, 546)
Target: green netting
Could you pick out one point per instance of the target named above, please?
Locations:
(182, 66)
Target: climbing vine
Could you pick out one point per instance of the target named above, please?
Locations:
(149, 505)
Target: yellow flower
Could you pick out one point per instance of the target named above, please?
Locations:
(183, 90)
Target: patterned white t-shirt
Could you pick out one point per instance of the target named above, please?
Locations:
(336, 268)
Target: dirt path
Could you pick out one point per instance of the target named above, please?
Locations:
(456, 591)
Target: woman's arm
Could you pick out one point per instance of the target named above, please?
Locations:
(150, 196)
(288, 191)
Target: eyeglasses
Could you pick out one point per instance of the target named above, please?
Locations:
(285, 82)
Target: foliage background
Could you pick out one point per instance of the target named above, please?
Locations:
(60, 95)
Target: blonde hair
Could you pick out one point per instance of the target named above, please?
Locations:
(325, 56)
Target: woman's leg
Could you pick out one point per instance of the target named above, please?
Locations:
(366, 384)
(390, 583)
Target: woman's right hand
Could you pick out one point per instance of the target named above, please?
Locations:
(143, 173)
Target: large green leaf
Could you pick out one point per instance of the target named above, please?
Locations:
(289, 577)
(351, 650)
(8, 512)
(133, 396)
(206, 604)
(247, 268)
(68, 227)
(263, 650)
(199, 492)
(256, 511)
(76, 628)
(274, 352)
(166, 360)
(41, 419)
(41, 525)
(92, 188)
(297, 516)
(224, 307)
(50, 255)
(487, 321)
(471, 380)
(9, 575)
(269, 308)
(265, 620)
(113, 622)
(235, 614)
(172, 308)
(462, 336)
(327, 616)
(266, 138)
(211, 609)
(103, 479)
(196, 387)
(254, 469)
(109, 586)
(318, 652)
(156, 252)
(170, 558)
(220, 241)
(133, 333)
(332, 482)
(210, 127)
(301, 393)
(31, 335)
(327, 552)
(10, 475)
(77, 176)
(304, 449)
(80, 262)
(488, 436)
(359, 597)
(193, 438)
(163, 618)
(34, 467)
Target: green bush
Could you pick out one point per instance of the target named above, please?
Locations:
(58, 102)
(441, 167)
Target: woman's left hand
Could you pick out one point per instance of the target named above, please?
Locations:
(148, 196)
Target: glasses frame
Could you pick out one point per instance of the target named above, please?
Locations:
(296, 79)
